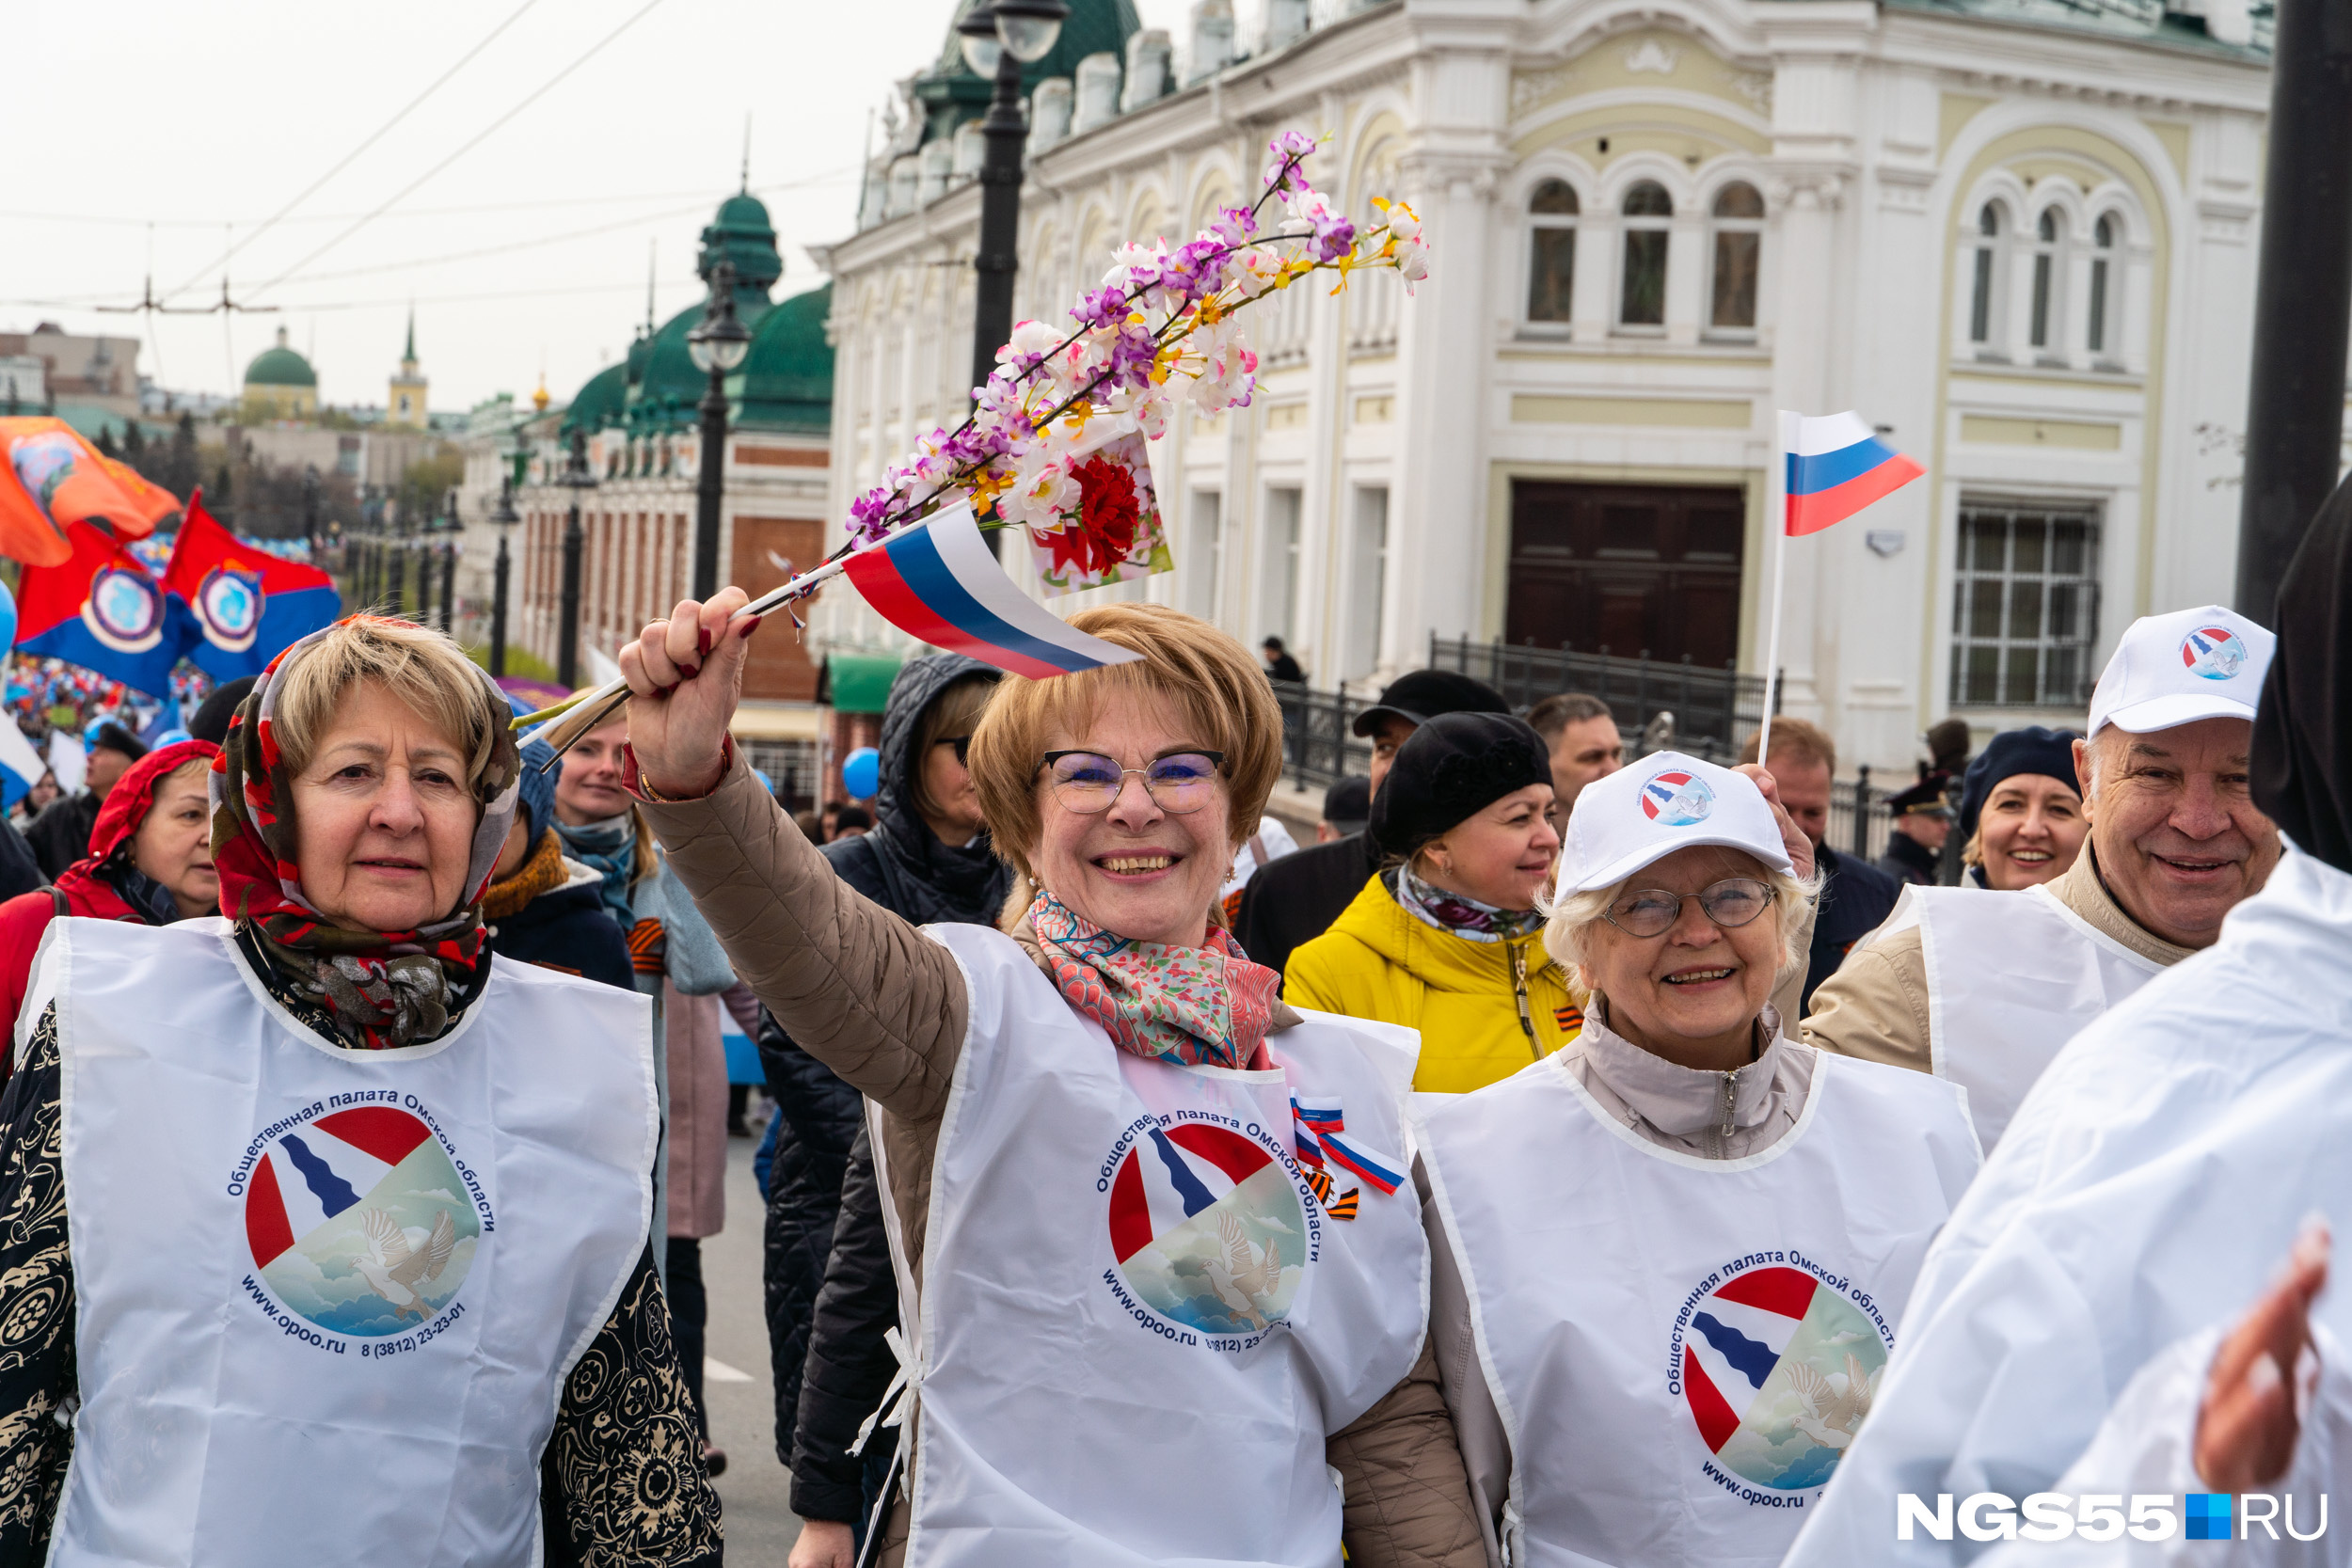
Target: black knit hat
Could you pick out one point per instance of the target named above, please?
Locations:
(2030, 750)
(1456, 766)
(212, 720)
(1420, 695)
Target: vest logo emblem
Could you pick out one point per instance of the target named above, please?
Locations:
(1207, 1228)
(1778, 1365)
(1675, 799)
(358, 1219)
(2216, 653)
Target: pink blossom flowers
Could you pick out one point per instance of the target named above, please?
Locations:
(1155, 335)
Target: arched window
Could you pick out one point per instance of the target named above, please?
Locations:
(1552, 251)
(1987, 259)
(2048, 247)
(1739, 245)
(2102, 272)
(1642, 298)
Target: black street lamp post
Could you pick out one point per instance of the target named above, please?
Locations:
(452, 527)
(998, 40)
(718, 343)
(506, 519)
(577, 477)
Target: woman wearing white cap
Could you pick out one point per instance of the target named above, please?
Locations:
(1669, 1259)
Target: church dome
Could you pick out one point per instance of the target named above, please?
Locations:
(787, 379)
(281, 367)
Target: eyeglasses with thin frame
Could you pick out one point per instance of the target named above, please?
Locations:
(1651, 911)
(1088, 783)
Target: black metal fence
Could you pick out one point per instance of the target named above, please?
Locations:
(1858, 816)
(1319, 743)
(1713, 711)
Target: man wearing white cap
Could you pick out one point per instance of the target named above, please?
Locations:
(1983, 988)
(1667, 1260)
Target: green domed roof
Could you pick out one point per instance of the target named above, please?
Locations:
(787, 379)
(743, 235)
(281, 367)
(600, 403)
(952, 93)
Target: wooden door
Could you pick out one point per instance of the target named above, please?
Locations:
(1632, 568)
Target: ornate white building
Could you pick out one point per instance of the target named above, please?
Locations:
(2017, 235)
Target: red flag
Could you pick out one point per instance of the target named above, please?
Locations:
(247, 604)
(54, 479)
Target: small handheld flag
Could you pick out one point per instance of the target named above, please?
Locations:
(1835, 468)
(53, 479)
(1829, 467)
(242, 606)
(105, 612)
(937, 581)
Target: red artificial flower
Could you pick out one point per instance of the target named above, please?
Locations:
(1109, 511)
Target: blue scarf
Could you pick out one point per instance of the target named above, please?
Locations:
(609, 848)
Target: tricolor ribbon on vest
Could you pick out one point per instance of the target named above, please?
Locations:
(1320, 1130)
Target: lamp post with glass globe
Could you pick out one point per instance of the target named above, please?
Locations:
(718, 343)
(578, 476)
(998, 40)
(452, 527)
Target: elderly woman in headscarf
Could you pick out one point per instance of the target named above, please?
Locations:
(355, 1265)
(1162, 1285)
(1671, 1256)
(150, 862)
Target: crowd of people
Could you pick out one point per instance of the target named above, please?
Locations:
(1570, 1157)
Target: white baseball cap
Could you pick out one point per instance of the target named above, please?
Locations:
(1649, 809)
(2176, 669)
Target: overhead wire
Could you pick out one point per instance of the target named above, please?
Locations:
(476, 140)
(379, 134)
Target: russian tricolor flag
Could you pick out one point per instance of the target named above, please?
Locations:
(1836, 467)
(938, 582)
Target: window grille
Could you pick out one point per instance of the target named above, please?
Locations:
(2026, 612)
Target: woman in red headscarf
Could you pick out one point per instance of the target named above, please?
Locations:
(149, 861)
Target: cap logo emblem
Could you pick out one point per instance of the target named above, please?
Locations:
(1676, 800)
(2214, 652)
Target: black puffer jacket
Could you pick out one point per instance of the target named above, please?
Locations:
(904, 867)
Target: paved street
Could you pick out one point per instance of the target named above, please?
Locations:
(756, 1489)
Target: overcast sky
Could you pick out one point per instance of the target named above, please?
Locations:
(203, 119)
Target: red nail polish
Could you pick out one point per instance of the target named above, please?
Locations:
(750, 624)
(701, 642)
(688, 672)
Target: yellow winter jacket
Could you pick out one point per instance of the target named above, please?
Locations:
(1379, 962)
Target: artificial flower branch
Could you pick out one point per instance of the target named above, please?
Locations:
(1025, 455)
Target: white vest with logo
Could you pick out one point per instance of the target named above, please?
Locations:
(1137, 1326)
(328, 1298)
(1681, 1349)
(2011, 977)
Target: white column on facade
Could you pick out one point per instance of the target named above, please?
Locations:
(1440, 536)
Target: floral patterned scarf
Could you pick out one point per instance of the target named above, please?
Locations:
(381, 988)
(1459, 915)
(1190, 1004)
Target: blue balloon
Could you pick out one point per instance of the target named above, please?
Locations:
(861, 773)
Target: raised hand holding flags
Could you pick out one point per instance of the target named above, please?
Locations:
(1827, 467)
(242, 606)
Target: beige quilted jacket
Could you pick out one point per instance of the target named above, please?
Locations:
(881, 1005)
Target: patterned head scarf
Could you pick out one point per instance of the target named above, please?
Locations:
(382, 989)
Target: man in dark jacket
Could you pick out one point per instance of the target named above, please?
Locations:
(1921, 821)
(61, 835)
(926, 859)
(542, 909)
(1855, 897)
(1295, 899)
